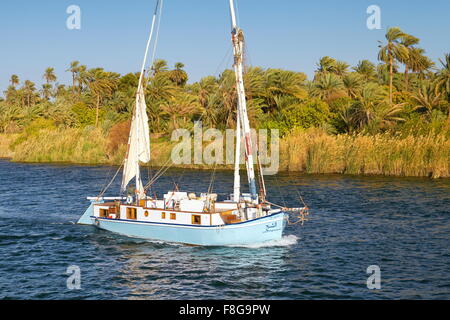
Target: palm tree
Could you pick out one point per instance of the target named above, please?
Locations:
(181, 106)
(159, 65)
(61, 91)
(29, 88)
(419, 63)
(46, 91)
(340, 68)
(82, 77)
(178, 75)
(30, 113)
(325, 65)
(372, 109)
(387, 115)
(408, 41)
(228, 98)
(276, 83)
(49, 75)
(330, 65)
(427, 97)
(10, 94)
(206, 91)
(353, 82)
(257, 81)
(393, 50)
(74, 65)
(205, 88)
(363, 110)
(443, 80)
(346, 116)
(383, 74)
(14, 80)
(8, 115)
(366, 69)
(159, 90)
(328, 87)
(101, 85)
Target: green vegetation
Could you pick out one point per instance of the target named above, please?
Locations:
(392, 118)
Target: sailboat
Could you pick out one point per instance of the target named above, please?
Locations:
(188, 217)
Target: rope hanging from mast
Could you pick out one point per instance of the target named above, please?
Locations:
(109, 184)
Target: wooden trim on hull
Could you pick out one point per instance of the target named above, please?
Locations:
(154, 209)
(188, 225)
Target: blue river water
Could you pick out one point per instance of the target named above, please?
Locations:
(401, 225)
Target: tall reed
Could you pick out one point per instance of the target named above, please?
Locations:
(5, 145)
(314, 151)
(309, 151)
(84, 146)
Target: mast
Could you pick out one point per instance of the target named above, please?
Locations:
(141, 77)
(139, 139)
(238, 49)
(237, 160)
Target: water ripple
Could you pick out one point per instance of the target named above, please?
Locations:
(402, 225)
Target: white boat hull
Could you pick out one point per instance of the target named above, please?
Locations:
(260, 230)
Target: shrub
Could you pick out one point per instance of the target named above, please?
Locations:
(33, 130)
(118, 135)
(85, 116)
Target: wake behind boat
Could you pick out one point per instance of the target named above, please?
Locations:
(189, 217)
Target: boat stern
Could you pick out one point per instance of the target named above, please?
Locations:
(85, 219)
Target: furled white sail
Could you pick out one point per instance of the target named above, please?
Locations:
(139, 140)
(138, 144)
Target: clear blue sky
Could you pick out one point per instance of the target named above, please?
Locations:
(289, 34)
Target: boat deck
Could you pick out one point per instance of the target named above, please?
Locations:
(227, 215)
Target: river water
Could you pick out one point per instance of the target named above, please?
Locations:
(401, 225)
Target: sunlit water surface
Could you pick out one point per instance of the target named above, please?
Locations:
(400, 224)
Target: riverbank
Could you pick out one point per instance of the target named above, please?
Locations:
(309, 151)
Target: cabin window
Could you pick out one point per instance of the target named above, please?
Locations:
(103, 213)
(196, 219)
(163, 215)
(131, 213)
(173, 216)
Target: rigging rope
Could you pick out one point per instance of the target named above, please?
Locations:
(213, 178)
(107, 178)
(160, 172)
(107, 187)
(279, 190)
(157, 33)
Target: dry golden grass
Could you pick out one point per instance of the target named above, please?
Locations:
(314, 151)
(310, 151)
(5, 142)
(69, 145)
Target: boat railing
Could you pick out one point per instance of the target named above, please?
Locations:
(105, 198)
